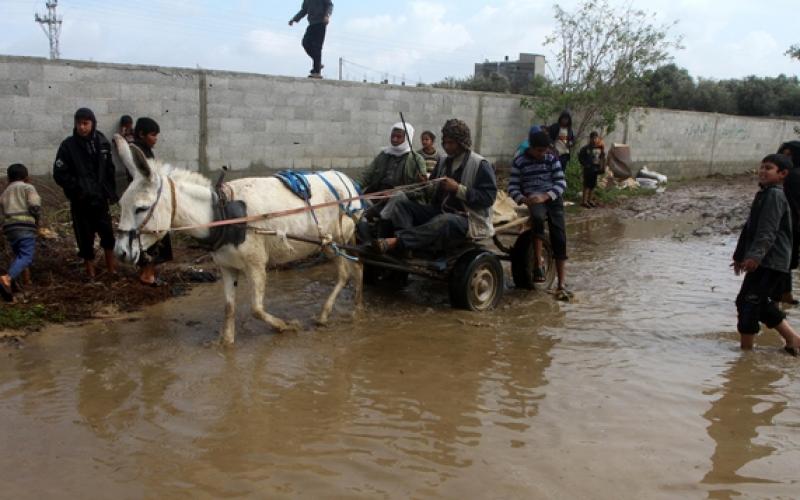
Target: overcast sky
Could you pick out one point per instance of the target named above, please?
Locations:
(423, 41)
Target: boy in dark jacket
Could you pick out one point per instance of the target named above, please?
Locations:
(591, 157)
(319, 15)
(764, 252)
(84, 170)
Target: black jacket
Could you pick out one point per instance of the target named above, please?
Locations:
(85, 171)
(767, 235)
(317, 11)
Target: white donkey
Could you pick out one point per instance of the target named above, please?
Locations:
(160, 197)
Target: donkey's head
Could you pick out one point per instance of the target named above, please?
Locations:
(145, 206)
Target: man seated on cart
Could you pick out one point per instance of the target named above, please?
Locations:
(460, 206)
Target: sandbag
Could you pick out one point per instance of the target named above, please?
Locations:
(619, 161)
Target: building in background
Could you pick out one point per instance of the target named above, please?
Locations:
(518, 73)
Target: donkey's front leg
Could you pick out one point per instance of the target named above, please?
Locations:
(258, 281)
(342, 273)
(357, 275)
(229, 278)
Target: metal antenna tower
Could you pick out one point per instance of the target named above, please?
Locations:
(51, 25)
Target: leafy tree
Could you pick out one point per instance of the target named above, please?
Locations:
(601, 56)
(713, 97)
(492, 83)
(668, 87)
(794, 52)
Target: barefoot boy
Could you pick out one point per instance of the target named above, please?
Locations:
(763, 252)
(20, 208)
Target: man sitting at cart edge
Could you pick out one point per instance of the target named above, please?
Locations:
(461, 204)
(537, 180)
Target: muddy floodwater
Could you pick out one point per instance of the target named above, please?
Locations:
(634, 390)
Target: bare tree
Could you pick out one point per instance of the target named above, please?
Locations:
(600, 56)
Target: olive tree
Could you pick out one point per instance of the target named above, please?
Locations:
(601, 54)
(794, 52)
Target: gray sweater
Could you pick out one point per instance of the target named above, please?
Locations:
(767, 235)
(316, 10)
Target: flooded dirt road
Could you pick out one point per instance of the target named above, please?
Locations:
(634, 390)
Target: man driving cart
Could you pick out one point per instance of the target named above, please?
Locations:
(460, 206)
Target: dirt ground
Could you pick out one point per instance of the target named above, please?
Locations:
(60, 292)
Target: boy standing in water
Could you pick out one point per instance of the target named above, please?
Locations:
(537, 181)
(763, 252)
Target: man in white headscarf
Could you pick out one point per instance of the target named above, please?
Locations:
(396, 165)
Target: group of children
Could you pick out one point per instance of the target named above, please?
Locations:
(85, 171)
(765, 252)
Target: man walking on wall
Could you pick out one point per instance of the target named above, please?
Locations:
(319, 14)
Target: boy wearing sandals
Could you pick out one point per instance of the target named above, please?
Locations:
(763, 253)
(537, 180)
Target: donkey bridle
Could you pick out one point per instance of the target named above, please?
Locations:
(137, 232)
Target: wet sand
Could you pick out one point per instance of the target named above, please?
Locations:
(636, 389)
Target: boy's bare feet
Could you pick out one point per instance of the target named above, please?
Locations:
(111, 261)
(91, 273)
(5, 288)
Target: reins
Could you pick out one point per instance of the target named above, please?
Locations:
(387, 193)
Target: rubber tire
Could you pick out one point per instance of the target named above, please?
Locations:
(522, 262)
(473, 269)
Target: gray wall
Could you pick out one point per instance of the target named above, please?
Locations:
(254, 122)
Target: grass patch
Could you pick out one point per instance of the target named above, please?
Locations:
(27, 317)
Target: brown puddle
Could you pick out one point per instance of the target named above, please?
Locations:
(634, 390)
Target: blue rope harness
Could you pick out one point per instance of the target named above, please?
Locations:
(297, 183)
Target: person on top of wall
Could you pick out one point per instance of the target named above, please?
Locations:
(791, 187)
(319, 15)
(146, 136)
(85, 171)
(562, 137)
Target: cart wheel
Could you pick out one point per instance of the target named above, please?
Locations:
(476, 282)
(378, 276)
(523, 262)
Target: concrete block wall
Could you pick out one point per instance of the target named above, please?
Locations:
(258, 122)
